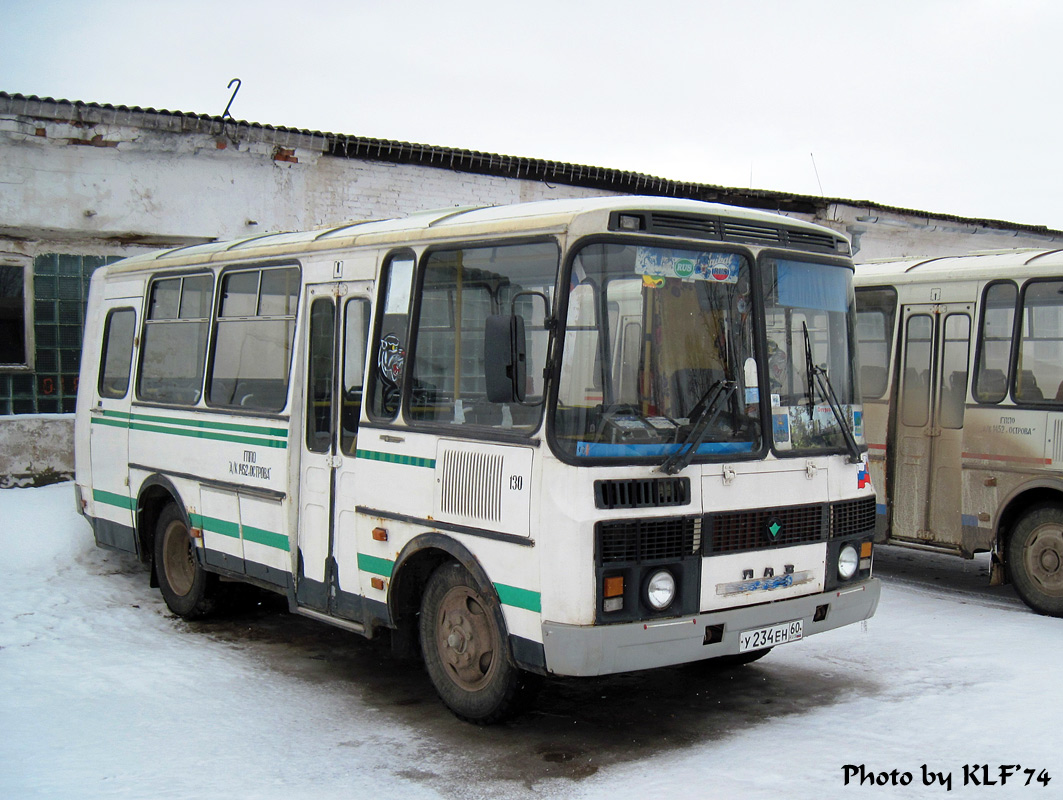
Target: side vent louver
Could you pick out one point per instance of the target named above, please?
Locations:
(642, 493)
(472, 485)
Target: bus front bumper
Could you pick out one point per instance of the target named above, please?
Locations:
(605, 649)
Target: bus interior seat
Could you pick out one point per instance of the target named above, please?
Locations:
(992, 384)
(1028, 388)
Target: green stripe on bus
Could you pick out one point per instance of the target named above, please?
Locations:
(204, 434)
(215, 525)
(112, 499)
(277, 541)
(117, 418)
(377, 566)
(393, 458)
(195, 433)
(519, 598)
(261, 430)
(224, 527)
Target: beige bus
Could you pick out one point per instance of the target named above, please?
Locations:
(962, 383)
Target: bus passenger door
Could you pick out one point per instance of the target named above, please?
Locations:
(931, 397)
(337, 334)
(317, 452)
(109, 417)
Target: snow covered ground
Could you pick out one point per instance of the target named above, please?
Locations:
(107, 695)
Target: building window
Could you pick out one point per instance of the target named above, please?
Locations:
(13, 350)
(54, 290)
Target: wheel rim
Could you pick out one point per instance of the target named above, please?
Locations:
(1043, 558)
(466, 638)
(178, 558)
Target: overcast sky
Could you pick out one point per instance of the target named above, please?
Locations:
(949, 106)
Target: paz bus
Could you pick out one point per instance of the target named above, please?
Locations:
(569, 437)
(962, 380)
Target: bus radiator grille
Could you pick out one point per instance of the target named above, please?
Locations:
(636, 541)
(853, 517)
(738, 531)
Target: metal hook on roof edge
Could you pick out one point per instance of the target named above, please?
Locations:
(225, 114)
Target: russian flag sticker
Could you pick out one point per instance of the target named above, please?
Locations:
(863, 478)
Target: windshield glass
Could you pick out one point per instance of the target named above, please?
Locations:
(658, 355)
(811, 321)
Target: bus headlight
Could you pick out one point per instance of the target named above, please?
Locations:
(660, 590)
(848, 561)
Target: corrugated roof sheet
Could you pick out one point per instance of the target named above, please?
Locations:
(472, 161)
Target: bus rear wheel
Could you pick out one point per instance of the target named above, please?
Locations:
(465, 649)
(186, 587)
(1035, 559)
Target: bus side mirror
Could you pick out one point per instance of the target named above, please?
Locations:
(505, 358)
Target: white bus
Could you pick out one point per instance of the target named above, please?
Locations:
(569, 438)
(962, 380)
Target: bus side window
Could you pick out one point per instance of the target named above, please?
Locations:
(173, 349)
(117, 353)
(875, 314)
(355, 342)
(389, 351)
(255, 331)
(994, 342)
(1041, 347)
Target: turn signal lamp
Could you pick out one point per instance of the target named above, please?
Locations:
(613, 592)
(865, 555)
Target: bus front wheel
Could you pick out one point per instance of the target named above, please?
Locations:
(185, 585)
(1035, 559)
(465, 650)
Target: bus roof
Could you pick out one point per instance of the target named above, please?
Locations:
(991, 263)
(538, 216)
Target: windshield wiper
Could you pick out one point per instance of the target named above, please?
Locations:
(711, 407)
(817, 377)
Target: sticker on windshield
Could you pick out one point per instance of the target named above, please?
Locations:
(662, 262)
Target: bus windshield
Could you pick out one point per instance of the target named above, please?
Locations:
(810, 315)
(658, 355)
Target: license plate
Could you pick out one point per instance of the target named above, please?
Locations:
(759, 638)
